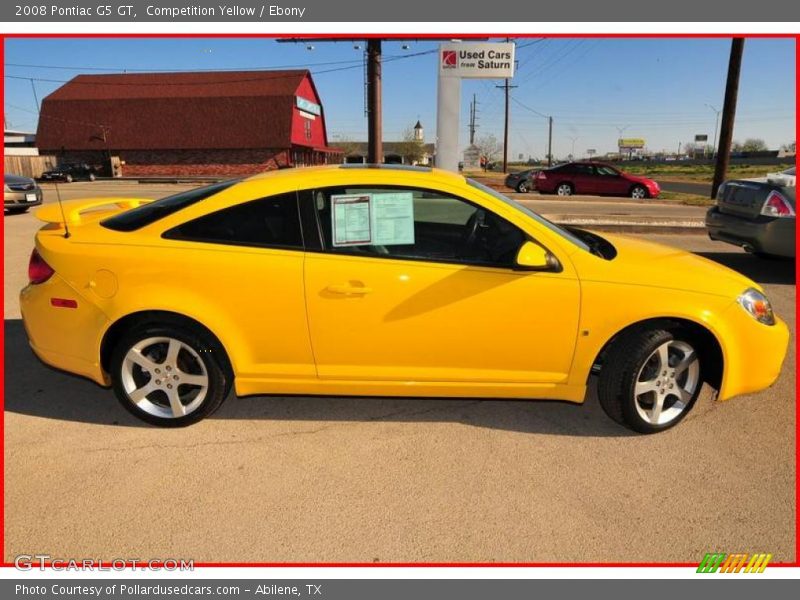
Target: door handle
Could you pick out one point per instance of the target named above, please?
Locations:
(345, 289)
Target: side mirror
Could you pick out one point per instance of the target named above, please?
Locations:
(532, 257)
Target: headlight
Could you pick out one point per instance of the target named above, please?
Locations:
(756, 303)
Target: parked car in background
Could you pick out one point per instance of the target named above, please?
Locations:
(404, 281)
(20, 193)
(757, 214)
(71, 172)
(521, 182)
(596, 179)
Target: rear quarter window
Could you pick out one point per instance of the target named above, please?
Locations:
(146, 214)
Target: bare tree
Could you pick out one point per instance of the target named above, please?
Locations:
(348, 146)
(489, 146)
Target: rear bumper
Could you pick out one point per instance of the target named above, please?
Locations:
(765, 234)
(65, 338)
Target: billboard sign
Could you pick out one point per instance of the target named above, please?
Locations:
(477, 61)
(701, 138)
(630, 143)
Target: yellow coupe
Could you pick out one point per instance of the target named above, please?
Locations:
(382, 281)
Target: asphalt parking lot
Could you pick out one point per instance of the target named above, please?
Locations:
(277, 479)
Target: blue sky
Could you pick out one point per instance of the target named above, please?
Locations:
(656, 89)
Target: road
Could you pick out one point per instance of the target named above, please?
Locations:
(686, 187)
(275, 479)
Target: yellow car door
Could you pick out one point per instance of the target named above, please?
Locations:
(437, 299)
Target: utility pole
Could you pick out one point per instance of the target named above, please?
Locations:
(507, 88)
(728, 114)
(374, 120)
(473, 110)
(550, 142)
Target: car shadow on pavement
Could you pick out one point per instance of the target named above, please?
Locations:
(32, 388)
(763, 270)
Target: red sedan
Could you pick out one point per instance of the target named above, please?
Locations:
(594, 178)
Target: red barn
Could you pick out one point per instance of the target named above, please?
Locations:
(167, 124)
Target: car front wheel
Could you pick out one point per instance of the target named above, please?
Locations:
(650, 380)
(68, 178)
(522, 187)
(639, 192)
(168, 376)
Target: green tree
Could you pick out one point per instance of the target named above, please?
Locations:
(411, 149)
(754, 145)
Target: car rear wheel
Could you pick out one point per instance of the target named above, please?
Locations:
(565, 189)
(650, 380)
(92, 176)
(168, 376)
(68, 178)
(639, 192)
(522, 187)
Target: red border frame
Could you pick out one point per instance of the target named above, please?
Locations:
(795, 36)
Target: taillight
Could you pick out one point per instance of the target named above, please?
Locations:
(38, 270)
(777, 206)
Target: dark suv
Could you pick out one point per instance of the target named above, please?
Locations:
(71, 172)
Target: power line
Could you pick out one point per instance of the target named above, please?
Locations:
(212, 82)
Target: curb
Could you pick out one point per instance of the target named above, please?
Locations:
(632, 224)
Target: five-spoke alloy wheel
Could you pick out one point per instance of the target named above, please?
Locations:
(650, 379)
(168, 376)
(639, 192)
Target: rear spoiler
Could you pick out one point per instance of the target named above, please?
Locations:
(73, 209)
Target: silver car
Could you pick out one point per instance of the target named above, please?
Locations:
(20, 193)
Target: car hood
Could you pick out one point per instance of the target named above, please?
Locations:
(16, 179)
(638, 178)
(646, 263)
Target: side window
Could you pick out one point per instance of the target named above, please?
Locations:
(415, 224)
(272, 222)
(582, 170)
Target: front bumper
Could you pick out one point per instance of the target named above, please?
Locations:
(65, 338)
(764, 234)
(754, 352)
(23, 198)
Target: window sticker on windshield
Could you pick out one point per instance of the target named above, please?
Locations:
(351, 220)
(393, 218)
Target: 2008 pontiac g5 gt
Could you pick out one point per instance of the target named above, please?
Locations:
(383, 281)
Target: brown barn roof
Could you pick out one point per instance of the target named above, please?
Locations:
(155, 111)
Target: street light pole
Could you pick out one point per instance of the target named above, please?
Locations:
(716, 127)
(574, 139)
(620, 130)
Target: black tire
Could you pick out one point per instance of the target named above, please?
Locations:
(92, 176)
(568, 186)
(639, 192)
(624, 361)
(206, 349)
(68, 178)
(522, 187)
(17, 210)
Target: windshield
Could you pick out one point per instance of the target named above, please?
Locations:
(790, 171)
(535, 216)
